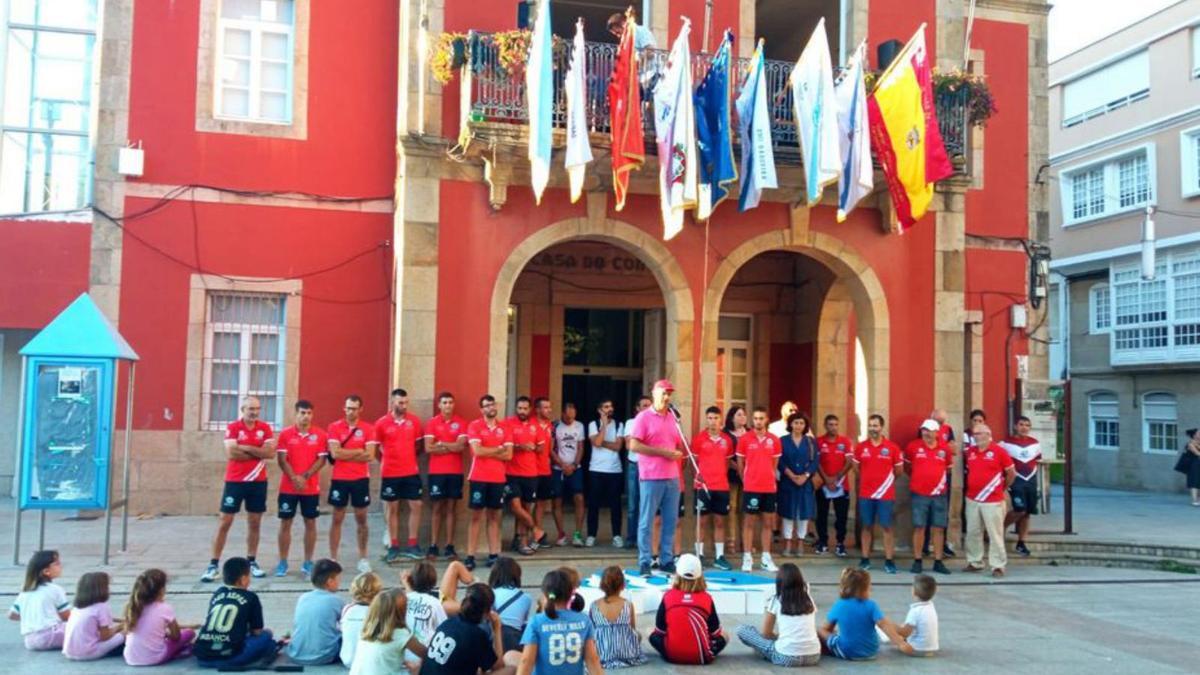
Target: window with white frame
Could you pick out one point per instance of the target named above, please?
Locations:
(1189, 155)
(1117, 184)
(1160, 423)
(1104, 422)
(1100, 306)
(255, 44)
(1157, 320)
(46, 109)
(1108, 88)
(244, 353)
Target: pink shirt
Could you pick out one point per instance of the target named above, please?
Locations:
(147, 645)
(660, 431)
(82, 641)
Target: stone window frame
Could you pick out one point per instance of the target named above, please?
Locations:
(201, 285)
(206, 67)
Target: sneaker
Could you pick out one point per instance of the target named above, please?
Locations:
(940, 567)
(645, 571)
(947, 551)
(525, 550)
(722, 564)
(364, 566)
(917, 567)
(544, 542)
(561, 541)
(590, 542)
(654, 563)
(889, 566)
(669, 568)
(864, 564)
(998, 572)
(387, 536)
(1022, 549)
(769, 565)
(972, 568)
(256, 571)
(306, 569)
(413, 552)
(821, 549)
(281, 569)
(841, 550)
(618, 542)
(577, 540)
(211, 573)
(469, 563)
(392, 556)
(516, 543)
(433, 553)
(491, 560)
(747, 562)
(451, 554)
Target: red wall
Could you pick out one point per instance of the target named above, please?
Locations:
(44, 267)
(893, 20)
(724, 15)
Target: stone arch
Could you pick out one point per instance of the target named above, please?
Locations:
(677, 296)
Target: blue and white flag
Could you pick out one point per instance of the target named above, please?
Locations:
(539, 90)
(816, 115)
(754, 123)
(675, 131)
(714, 131)
(579, 148)
(854, 135)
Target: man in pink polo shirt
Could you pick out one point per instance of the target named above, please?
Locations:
(657, 440)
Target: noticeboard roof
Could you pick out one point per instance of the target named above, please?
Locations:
(80, 330)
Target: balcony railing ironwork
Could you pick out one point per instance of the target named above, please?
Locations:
(490, 93)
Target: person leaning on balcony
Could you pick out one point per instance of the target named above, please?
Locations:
(643, 38)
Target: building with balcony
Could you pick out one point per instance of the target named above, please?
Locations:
(318, 216)
(1124, 138)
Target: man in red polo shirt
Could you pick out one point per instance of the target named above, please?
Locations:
(833, 464)
(878, 461)
(758, 454)
(352, 446)
(546, 493)
(522, 471)
(398, 433)
(491, 447)
(303, 451)
(445, 442)
(712, 449)
(926, 461)
(249, 443)
(989, 472)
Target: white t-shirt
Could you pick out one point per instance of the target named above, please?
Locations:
(778, 428)
(567, 440)
(797, 634)
(924, 619)
(353, 617)
(381, 658)
(39, 608)
(628, 429)
(425, 614)
(605, 460)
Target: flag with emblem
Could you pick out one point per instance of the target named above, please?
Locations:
(714, 131)
(858, 175)
(579, 149)
(675, 130)
(754, 123)
(816, 114)
(904, 131)
(625, 112)
(539, 89)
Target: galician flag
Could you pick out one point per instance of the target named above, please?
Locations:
(904, 131)
(714, 131)
(812, 93)
(675, 130)
(539, 88)
(754, 123)
(625, 113)
(579, 149)
(858, 175)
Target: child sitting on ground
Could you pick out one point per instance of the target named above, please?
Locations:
(425, 611)
(849, 630)
(789, 629)
(91, 632)
(363, 590)
(152, 634)
(316, 636)
(614, 624)
(920, 627)
(384, 637)
(577, 602)
(460, 644)
(687, 629)
(42, 606)
(512, 604)
(558, 640)
(233, 635)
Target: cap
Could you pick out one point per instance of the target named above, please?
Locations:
(930, 425)
(688, 566)
(665, 385)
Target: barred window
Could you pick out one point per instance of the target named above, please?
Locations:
(1160, 423)
(244, 353)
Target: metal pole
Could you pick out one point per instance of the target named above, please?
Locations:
(19, 468)
(108, 466)
(42, 529)
(125, 478)
(707, 25)
(1068, 525)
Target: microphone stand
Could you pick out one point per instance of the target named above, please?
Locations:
(688, 451)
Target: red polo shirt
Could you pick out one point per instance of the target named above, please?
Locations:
(712, 456)
(247, 470)
(351, 439)
(762, 456)
(524, 463)
(487, 469)
(928, 466)
(833, 453)
(877, 469)
(546, 437)
(985, 473)
(443, 430)
(301, 451)
(398, 445)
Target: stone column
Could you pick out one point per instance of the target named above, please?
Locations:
(949, 319)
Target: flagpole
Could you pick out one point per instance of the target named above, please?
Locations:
(707, 25)
(891, 66)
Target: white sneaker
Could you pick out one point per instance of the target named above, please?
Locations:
(364, 565)
(618, 542)
(591, 541)
(387, 537)
(747, 562)
(768, 564)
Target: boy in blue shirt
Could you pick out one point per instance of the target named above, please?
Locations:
(849, 630)
(558, 641)
(316, 633)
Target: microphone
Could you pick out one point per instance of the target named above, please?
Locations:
(674, 411)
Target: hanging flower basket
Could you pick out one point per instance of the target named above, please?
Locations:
(969, 89)
(447, 54)
(502, 53)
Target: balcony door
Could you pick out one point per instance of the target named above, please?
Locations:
(734, 360)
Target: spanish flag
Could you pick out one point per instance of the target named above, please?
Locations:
(625, 109)
(904, 131)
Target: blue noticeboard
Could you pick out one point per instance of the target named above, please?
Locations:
(66, 434)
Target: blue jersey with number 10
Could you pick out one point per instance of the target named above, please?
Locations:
(560, 642)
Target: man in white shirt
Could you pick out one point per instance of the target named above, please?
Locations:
(632, 482)
(779, 428)
(566, 460)
(605, 474)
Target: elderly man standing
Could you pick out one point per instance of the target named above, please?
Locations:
(657, 439)
(989, 472)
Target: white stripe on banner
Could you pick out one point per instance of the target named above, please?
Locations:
(989, 488)
(887, 483)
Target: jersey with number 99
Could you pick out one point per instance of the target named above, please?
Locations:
(458, 647)
(560, 642)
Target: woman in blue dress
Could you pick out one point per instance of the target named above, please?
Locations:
(797, 501)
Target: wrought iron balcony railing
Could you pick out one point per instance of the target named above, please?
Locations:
(490, 93)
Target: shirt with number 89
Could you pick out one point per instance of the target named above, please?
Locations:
(560, 642)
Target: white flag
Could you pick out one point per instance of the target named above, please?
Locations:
(754, 125)
(539, 89)
(814, 98)
(675, 131)
(858, 174)
(579, 149)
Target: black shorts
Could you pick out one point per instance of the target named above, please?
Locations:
(289, 504)
(254, 493)
(445, 486)
(523, 488)
(714, 503)
(546, 488)
(1025, 498)
(408, 488)
(486, 495)
(356, 493)
(758, 502)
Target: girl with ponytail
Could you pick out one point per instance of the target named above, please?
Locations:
(153, 634)
(559, 641)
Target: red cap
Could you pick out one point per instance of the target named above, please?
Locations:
(665, 385)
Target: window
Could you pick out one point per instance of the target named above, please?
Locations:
(734, 333)
(244, 350)
(1160, 423)
(1196, 52)
(1106, 89)
(1117, 184)
(45, 153)
(255, 45)
(1104, 421)
(1101, 308)
(1158, 320)
(1189, 154)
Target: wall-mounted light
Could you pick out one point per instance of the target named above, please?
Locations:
(1148, 254)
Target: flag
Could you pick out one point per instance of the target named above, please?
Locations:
(714, 131)
(858, 175)
(675, 131)
(579, 149)
(813, 96)
(625, 110)
(539, 88)
(904, 131)
(754, 123)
